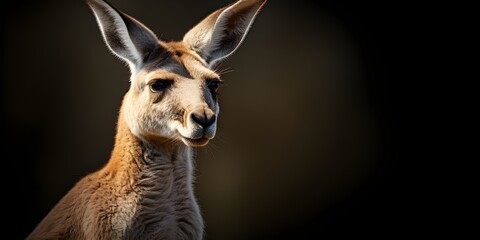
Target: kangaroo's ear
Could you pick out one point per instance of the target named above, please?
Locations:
(125, 36)
(220, 34)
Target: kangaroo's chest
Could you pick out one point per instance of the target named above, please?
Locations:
(153, 207)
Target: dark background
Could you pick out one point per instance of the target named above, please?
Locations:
(312, 139)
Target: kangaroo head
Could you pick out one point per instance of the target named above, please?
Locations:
(173, 85)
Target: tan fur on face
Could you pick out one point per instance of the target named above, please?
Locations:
(166, 118)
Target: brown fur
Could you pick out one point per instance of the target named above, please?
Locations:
(81, 213)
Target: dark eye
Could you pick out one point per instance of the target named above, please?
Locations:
(213, 84)
(160, 85)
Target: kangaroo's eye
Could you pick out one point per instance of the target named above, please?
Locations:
(213, 84)
(160, 85)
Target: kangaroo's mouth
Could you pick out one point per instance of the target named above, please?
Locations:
(200, 142)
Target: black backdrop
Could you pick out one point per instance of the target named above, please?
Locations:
(309, 141)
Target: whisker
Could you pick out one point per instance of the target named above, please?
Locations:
(224, 71)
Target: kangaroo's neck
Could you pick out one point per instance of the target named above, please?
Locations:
(136, 159)
(158, 176)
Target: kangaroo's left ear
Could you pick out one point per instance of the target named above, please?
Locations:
(220, 34)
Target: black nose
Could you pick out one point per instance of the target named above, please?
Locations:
(203, 117)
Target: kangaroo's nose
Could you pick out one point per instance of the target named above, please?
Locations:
(203, 116)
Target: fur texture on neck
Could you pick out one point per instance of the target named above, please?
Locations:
(144, 191)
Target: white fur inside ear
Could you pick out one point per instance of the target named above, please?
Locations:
(240, 29)
(122, 31)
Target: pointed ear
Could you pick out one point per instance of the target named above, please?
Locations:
(125, 37)
(220, 34)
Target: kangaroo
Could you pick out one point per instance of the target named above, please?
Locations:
(145, 189)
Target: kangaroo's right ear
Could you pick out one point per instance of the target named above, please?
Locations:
(125, 36)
